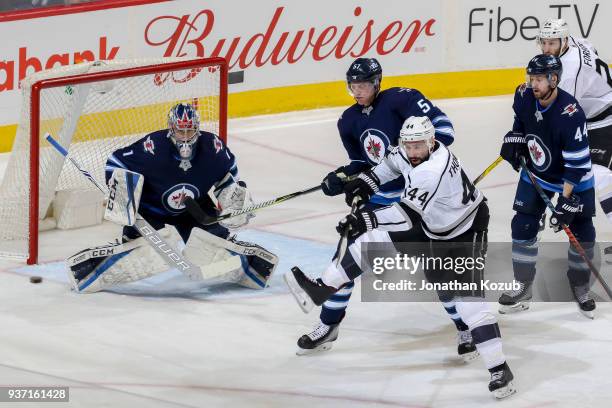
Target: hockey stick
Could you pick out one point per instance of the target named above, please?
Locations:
(488, 170)
(343, 244)
(569, 233)
(200, 216)
(172, 257)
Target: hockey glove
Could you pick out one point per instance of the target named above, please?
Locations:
(358, 224)
(333, 183)
(513, 148)
(565, 211)
(363, 187)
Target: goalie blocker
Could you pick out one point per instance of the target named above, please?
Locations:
(220, 260)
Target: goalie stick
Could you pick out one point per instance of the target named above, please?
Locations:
(171, 256)
(570, 234)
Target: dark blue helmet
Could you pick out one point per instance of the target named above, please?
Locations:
(364, 70)
(545, 65)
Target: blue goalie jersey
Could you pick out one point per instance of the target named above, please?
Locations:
(166, 183)
(556, 138)
(367, 133)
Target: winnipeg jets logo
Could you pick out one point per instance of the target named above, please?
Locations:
(522, 88)
(570, 109)
(539, 153)
(367, 110)
(174, 198)
(149, 146)
(374, 148)
(375, 144)
(536, 153)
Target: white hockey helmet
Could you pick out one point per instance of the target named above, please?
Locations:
(554, 28)
(416, 129)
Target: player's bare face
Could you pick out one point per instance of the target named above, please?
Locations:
(541, 86)
(363, 92)
(417, 152)
(551, 46)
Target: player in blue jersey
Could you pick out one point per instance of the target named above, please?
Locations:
(368, 129)
(550, 129)
(157, 173)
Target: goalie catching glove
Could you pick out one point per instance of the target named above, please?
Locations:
(124, 191)
(234, 197)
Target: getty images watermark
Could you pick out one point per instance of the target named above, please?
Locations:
(449, 266)
(426, 272)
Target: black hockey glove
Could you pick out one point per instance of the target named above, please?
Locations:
(333, 183)
(513, 148)
(358, 223)
(565, 211)
(363, 187)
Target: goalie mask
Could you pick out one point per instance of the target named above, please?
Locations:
(184, 129)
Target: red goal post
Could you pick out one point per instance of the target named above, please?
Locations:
(93, 113)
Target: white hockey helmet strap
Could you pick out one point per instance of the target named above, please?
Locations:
(416, 129)
(554, 28)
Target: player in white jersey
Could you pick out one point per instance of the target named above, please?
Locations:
(588, 79)
(438, 195)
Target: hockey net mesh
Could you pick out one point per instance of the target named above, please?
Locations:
(91, 120)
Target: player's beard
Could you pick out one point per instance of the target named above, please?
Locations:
(415, 161)
(543, 97)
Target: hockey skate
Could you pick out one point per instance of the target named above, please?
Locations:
(306, 291)
(466, 348)
(516, 300)
(586, 305)
(320, 339)
(501, 382)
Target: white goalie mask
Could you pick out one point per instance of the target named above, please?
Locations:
(184, 129)
(554, 29)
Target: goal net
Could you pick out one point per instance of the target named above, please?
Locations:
(92, 109)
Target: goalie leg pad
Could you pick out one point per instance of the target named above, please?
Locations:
(99, 268)
(230, 260)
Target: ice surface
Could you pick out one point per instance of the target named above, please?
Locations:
(167, 342)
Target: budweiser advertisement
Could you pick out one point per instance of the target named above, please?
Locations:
(291, 43)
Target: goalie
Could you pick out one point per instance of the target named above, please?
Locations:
(153, 177)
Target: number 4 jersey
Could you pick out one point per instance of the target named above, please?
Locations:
(437, 189)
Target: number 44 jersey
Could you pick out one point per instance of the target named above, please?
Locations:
(438, 190)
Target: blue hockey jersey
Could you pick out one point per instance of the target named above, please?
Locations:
(165, 183)
(367, 133)
(556, 138)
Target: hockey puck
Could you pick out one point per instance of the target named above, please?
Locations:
(35, 279)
